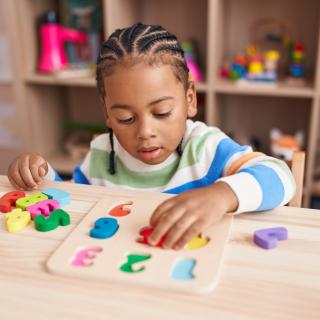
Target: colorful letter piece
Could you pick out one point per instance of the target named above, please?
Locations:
(9, 199)
(183, 268)
(59, 195)
(104, 228)
(17, 220)
(197, 242)
(57, 218)
(133, 259)
(25, 202)
(146, 233)
(85, 257)
(268, 238)
(43, 207)
(120, 211)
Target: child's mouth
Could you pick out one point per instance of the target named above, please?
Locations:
(149, 153)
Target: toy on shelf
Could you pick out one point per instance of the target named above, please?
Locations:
(257, 66)
(53, 37)
(78, 138)
(260, 64)
(297, 56)
(284, 145)
(85, 16)
(191, 59)
(297, 70)
(263, 67)
(77, 145)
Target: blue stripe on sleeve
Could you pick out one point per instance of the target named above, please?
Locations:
(57, 177)
(271, 186)
(225, 150)
(79, 177)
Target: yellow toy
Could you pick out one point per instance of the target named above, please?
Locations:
(197, 242)
(17, 220)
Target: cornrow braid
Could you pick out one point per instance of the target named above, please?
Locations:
(148, 43)
(179, 148)
(112, 160)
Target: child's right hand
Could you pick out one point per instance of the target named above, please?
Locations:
(27, 171)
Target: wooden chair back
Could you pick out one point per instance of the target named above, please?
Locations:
(297, 167)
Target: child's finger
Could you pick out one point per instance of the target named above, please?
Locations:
(25, 173)
(178, 229)
(160, 210)
(165, 223)
(16, 177)
(36, 168)
(14, 184)
(190, 233)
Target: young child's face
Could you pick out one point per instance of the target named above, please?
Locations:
(147, 107)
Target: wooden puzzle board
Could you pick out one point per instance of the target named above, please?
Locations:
(158, 269)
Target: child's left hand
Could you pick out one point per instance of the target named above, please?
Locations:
(183, 217)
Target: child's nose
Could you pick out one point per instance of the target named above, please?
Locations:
(145, 130)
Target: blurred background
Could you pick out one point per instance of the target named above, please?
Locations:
(256, 65)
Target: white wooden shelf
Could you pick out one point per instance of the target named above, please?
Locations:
(202, 87)
(81, 81)
(53, 80)
(280, 89)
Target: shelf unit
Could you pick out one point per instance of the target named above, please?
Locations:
(220, 28)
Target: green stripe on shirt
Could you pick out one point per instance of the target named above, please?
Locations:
(124, 176)
(193, 151)
(192, 154)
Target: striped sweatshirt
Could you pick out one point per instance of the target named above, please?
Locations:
(208, 155)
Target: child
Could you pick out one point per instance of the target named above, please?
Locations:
(147, 95)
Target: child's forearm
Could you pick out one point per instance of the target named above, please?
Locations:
(228, 198)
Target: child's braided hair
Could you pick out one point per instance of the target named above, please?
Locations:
(151, 44)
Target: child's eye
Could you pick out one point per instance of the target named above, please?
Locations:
(162, 115)
(126, 121)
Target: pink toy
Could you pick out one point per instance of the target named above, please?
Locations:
(85, 257)
(191, 59)
(53, 36)
(194, 69)
(43, 207)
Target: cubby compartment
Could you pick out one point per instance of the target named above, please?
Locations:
(187, 19)
(247, 21)
(31, 12)
(78, 118)
(249, 118)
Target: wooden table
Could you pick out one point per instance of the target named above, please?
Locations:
(283, 283)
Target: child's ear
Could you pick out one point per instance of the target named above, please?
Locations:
(104, 111)
(191, 97)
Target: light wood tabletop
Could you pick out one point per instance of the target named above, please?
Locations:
(282, 283)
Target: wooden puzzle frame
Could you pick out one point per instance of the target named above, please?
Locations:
(104, 265)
